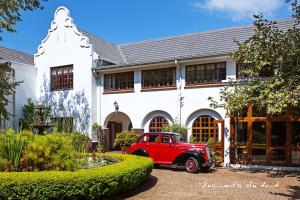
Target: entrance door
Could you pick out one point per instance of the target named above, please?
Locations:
(114, 128)
(218, 145)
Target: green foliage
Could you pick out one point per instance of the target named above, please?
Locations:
(94, 183)
(268, 50)
(210, 142)
(177, 128)
(192, 140)
(96, 127)
(10, 12)
(51, 151)
(97, 131)
(7, 88)
(125, 138)
(11, 147)
(25, 151)
(63, 124)
(29, 117)
(79, 141)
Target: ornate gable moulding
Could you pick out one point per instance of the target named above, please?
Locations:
(68, 23)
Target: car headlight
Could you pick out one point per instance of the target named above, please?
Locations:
(201, 151)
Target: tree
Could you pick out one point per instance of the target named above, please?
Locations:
(7, 87)
(9, 16)
(29, 115)
(177, 128)
(269, 50)
(10, 12)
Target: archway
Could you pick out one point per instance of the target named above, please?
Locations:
(204, 124)
(155, 120)
(116, 122)
(157, 124)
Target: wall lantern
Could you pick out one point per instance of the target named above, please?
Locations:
(116, 106)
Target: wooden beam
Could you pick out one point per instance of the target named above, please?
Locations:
(222, 138)
(249, 132)
(232, 138)
(288, 145)
(268, 140)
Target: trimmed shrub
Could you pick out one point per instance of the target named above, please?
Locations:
(125, 138)
(93, 183)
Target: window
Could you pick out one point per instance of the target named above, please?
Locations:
(119, 81)
(205, 73)
(166, 139)
(143, 139)
(157, 124)
(157, 78)
(62, 77)
(153, 138)
(203, 128)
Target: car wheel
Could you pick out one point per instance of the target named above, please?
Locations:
(192, 165)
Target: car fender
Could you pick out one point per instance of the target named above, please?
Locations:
(140, 152)
(180, 159)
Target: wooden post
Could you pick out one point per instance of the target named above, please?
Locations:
(232, 138)
(215, 133)
(288, 146)
(268, 139)
(222, 139)
(249, 133)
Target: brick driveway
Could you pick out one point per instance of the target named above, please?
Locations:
(219, 184)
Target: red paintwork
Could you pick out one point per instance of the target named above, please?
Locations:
(166, 153)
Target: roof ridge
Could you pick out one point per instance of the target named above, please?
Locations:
(200, 32)
(121, 53)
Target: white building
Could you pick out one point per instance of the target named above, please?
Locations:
(25, 71)
(139, 86)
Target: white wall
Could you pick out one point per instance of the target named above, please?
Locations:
(141, 106)
(26, 89)
(65, 45)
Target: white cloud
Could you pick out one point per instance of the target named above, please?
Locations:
(241, 9)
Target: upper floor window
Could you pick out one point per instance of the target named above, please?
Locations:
(205, 73)
(266, 72)
(157, 78)
(62, 77)
(119, 81)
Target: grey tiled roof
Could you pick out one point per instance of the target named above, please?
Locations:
(106, 50)
(15, 56)
(188, 46)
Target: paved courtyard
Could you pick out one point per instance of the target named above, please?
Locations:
(219, 184)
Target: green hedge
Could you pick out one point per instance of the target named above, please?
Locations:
(94, 183)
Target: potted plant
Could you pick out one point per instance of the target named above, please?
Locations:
(125, 139)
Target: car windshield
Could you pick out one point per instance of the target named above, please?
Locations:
(178, 138)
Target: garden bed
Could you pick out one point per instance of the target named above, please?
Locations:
(93, 183)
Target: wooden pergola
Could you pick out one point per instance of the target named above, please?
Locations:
(288, 118)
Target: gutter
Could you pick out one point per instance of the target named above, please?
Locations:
(183, 60)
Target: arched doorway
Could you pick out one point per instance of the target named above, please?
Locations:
(155, 120)
(116, 122)
(203, 128)
(157, 124)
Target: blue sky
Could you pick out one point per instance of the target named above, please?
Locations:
(123, 21)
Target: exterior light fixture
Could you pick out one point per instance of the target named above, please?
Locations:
(116, 106)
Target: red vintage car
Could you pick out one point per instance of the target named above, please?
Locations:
(171, 149)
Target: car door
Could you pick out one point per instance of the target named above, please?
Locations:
(166, 149)
(152, 145)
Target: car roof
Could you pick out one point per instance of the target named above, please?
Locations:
(163, 133)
